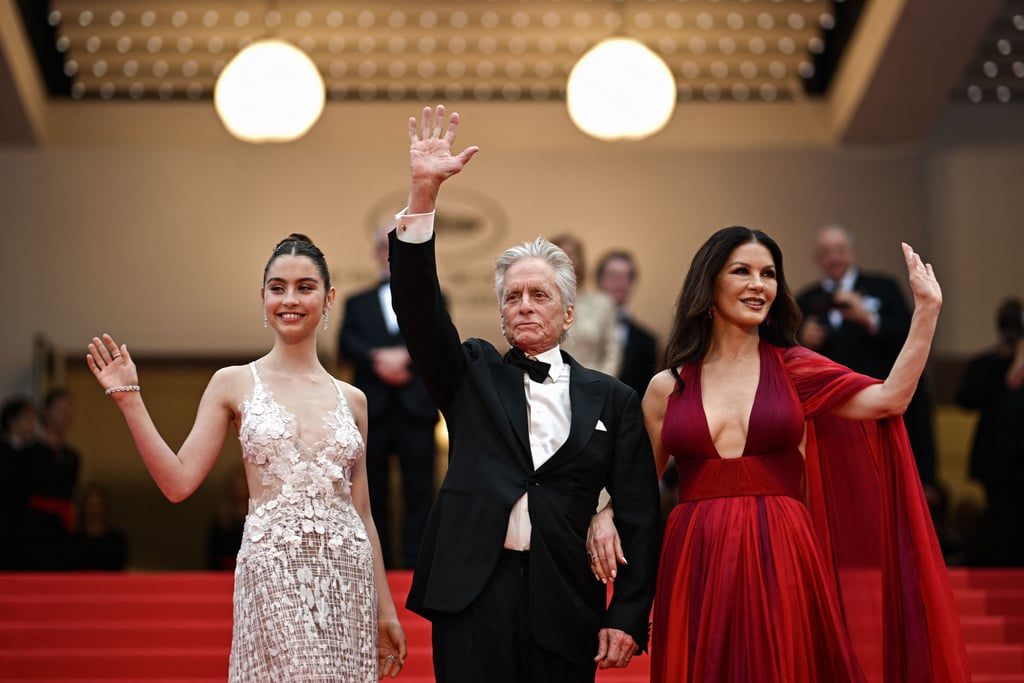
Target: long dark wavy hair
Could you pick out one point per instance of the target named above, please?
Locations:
(690, 336)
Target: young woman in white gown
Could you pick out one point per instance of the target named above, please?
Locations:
(311, 600)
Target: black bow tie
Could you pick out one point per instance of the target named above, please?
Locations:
(538, 370)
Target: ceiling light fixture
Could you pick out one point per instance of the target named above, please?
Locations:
(271, 91)
(620, 90)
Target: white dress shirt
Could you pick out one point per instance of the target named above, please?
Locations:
(549, 411)
(386, 309)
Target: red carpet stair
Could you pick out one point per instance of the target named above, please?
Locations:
(176, 628)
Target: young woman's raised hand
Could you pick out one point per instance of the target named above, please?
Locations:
(111, 364)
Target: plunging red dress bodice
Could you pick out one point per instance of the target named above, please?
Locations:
(743, 593)
(777, 567)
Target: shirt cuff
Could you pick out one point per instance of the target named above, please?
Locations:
(414, 228)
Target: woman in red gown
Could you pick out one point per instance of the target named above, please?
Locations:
(801, 548)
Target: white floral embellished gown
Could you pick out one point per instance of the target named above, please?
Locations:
(305, 605)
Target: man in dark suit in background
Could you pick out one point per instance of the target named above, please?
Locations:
(616, 276)
(860, 320)
(504, 574)
(402, 418)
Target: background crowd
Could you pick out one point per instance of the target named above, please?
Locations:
(52, 520)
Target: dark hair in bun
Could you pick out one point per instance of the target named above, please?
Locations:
(297, 244)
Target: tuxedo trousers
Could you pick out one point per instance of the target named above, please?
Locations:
(492, 640)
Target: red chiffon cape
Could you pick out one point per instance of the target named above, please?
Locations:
(875, 531)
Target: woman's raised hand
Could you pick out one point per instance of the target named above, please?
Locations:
(922, 279)
(110, 364)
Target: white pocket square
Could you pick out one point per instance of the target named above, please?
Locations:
(600, 427)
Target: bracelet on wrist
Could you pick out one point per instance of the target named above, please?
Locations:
(123, 387)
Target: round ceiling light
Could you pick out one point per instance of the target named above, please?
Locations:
(620, 90)
(269, 92)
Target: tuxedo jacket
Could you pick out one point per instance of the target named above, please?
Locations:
(639, 358)
(364, 329)
(851, 344)
(490, 467)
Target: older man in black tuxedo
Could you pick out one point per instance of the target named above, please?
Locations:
(503, 572)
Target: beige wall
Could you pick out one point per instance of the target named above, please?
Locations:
(976, 219)
(162, 241)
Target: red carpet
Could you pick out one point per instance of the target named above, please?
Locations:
(176, 628)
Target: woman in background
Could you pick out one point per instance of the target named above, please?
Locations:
(97, 545)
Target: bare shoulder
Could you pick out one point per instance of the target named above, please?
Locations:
(661, 385)
(658, 390)
(355, 398)
(230, 384)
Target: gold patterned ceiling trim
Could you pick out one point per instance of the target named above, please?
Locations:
(508, 50)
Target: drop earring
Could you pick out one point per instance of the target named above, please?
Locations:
(325, 320)
(266, 323)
